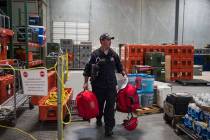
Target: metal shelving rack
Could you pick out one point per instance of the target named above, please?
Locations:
(10, 106)
(27, 44)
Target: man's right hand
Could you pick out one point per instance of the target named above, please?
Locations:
(85, 86)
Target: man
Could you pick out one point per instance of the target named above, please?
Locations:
(101, 70)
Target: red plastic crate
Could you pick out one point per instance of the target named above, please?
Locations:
(7, 61)
(35, 99)
(175, 74)
(175, 63)
(186, 74)
(186, 63)
(52, 80)
(128, 51)
(7, 87)
(3, 53)
(186, 51)
(172, 50)
(49, 112)
(133, 61)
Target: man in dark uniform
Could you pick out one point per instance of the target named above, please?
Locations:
(101, 69)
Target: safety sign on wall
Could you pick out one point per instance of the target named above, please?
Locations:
(35, 82)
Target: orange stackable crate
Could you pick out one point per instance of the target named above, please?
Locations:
(131, 50)
(175, 74)
(129, 63)
(186, 63)
(35, 100)
(49, 112)
(172, 50)
(7, 87)
(156, 48)
(186, 74)
(3, 53)
(30, 56)
(52, 80)
(175, 62)
(168, 50)
(7, 61)
(186, 51)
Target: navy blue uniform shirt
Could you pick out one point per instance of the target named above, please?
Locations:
(108, 65)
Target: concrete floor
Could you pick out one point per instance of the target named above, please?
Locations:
(150, 127)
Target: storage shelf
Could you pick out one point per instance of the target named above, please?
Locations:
(30, 44)
(6, 32)
(35, 63)
(8, 106)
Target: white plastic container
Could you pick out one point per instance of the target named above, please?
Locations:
(162, 92)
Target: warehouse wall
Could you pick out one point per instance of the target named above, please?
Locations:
(196, 22)
(118, 17)
(158, 18)
(157, 21)
(138, 21)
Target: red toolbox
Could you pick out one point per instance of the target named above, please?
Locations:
(7, 87)
(49, 112)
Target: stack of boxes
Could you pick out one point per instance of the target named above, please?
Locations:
(202, 57)
(157, 61)
(67, 45)
(80, 52)
(198, 120)
(76, 56)
(131, 55)
(181, 67)
(52, 53)
(85, 53)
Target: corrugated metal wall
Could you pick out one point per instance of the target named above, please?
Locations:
(138, 21)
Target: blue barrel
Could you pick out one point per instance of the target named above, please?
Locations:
(147, 84)
(147, 100)
(131, 79)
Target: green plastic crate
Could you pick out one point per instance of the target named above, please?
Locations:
(155, 59)
(159, 73)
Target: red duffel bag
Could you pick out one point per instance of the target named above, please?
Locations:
(87, 105)
(127, 99)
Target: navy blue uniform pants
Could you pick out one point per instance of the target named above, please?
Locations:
(106, 99)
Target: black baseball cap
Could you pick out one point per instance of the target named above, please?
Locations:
(106, 36)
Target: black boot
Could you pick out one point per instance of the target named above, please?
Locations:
(99, 123)
(108, 132)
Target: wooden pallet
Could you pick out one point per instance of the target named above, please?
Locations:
(181, 129)
(148, 110)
